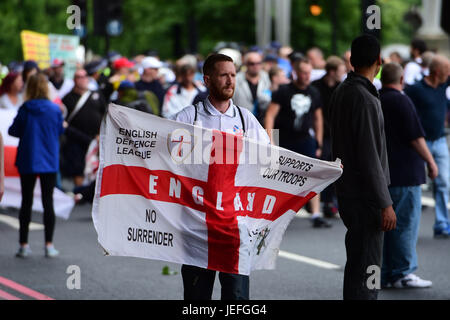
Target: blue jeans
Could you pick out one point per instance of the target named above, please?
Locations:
(439, 150)
(399, 248)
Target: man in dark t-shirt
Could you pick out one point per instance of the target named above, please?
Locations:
(407, 151)
(296, 111)
(430, 100)
(335, 71)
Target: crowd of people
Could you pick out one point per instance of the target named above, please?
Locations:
(298, 94)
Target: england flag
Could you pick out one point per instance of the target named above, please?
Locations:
(182, 193)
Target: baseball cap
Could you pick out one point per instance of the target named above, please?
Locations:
(295, 55)
(94, 66)
(57, 63)
(30, 64)
(123, 63)
(151, 62)
(126, 84)
(270, 58)
(112, 56)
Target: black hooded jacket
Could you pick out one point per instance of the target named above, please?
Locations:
(358, 139)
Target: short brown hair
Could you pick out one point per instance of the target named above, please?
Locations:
(298, 61)
(186, 69)
(274, 70)
(211, 60)
(37, 87)
(333, 63)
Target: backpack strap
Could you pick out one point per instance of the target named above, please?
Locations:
(196, 111)
(239, 110)
(242, 118)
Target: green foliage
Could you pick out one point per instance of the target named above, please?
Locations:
(149, 24)
(394, 28)
(47, 16)
(152, 24)
(308, 30)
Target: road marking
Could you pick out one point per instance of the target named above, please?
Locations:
(426, 201)
(14, 222)
(22, 289)
(303, 214)
(429, 202)
(311, 261)
(7, 296)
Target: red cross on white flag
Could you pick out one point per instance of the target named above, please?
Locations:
(222, 213)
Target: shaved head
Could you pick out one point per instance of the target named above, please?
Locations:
(440, 68)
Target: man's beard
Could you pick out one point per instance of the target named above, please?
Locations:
(219, 94)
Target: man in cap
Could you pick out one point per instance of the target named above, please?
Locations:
(98, 80)
(62, 84)
(123, 70)
(145, 101)
(149, 79)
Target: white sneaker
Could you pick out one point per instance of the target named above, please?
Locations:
(23, 252)
(51, 252)
(412, 281)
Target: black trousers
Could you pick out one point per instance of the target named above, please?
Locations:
(198, 284)
(363, 243)
(27, 182)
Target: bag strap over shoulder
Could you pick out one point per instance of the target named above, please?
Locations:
(79, 105)
(242, 118)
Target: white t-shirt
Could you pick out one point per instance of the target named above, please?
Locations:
(65, 88)
(316, 74)
(177, 98)
(230, 121)
(6, 103)
(413, 72)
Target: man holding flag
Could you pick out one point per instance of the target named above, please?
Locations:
(214, 196)
(217, 111)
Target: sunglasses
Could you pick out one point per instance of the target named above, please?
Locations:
(253, 63)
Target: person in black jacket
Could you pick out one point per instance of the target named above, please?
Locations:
(358, 139)
(83, 125)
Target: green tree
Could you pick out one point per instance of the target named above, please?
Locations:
(150, 24)
(393, 27)
(41, 16)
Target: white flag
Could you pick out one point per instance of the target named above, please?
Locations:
(180, 193)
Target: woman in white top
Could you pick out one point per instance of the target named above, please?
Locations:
(10, 91)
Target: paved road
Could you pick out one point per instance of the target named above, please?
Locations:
(295, 278)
